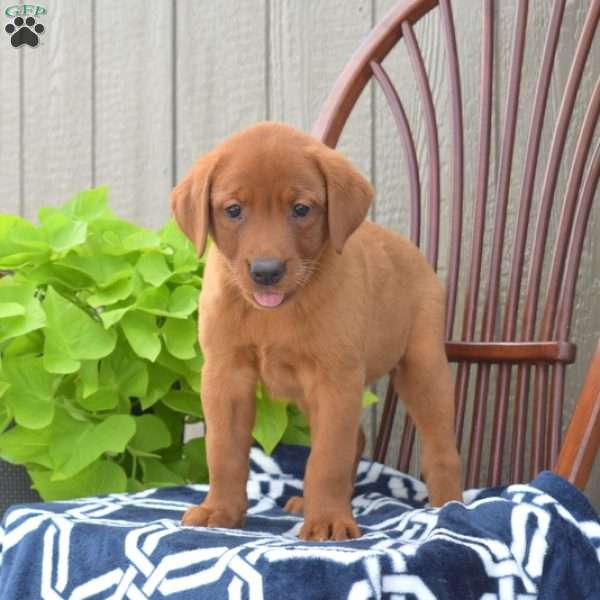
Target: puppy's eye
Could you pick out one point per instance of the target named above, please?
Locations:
(301, 210)
(233, 211)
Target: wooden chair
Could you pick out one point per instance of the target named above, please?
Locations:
(526, 339)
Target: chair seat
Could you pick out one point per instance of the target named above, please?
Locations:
(537, 539)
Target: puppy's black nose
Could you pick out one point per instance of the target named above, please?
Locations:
(267, 271)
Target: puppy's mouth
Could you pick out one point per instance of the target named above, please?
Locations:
(270, 299)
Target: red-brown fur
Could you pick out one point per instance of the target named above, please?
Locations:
(360, 301)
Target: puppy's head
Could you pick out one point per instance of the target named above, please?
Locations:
(272, 198)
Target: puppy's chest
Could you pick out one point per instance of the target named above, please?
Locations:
(279, 370)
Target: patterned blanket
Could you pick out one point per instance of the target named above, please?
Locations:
(521, 542)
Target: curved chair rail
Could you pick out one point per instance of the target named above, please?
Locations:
(519, 330)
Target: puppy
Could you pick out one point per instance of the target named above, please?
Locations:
(303, 294)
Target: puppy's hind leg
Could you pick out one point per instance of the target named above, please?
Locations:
(423, 382)
(296, 503)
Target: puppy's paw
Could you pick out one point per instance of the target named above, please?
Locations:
(294, 505)
(205, 516)
(443, 477)
(329, 526)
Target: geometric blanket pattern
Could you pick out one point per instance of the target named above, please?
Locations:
(520, 542)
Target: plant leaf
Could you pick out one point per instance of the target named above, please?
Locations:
(126, 372)
(20, 294)
(175, 423)
(72, 335)
(114, 236)
(184, 402)
(150, 434)
(180, 337)
(183, 369)
(88, 205)
(194, 453)
(271, 420)
(297, 431)
(56, 357)
(102, 399)
(119, 290)
(60, 276)
(85, 206)
(88, 375)
(154, 301)
(172, 235)
(90, 441)
(30, 343)
(6, 417)
(160, 381)
(31, 392)
(103, 269)
(369, 398)
(156, 474)
(153, 268)
(99, 478)
(21, 243)
(60, 367)
(183, 301)
(141, 332)
(62, 232)
(19, 445)
(194, 365)
(11, 309)
(110, 317)
(142, 239)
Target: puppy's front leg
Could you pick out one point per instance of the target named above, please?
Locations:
(334, 415)
(228, 402)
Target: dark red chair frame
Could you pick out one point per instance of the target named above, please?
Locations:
(541, 349)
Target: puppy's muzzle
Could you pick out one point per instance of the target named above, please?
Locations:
(267, 271)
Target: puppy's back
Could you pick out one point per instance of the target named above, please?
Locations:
(401, 287)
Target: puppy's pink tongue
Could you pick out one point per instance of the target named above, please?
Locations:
(269, 299)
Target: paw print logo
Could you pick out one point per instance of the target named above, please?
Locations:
(24, 32)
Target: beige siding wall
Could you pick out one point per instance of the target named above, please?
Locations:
(128, 94)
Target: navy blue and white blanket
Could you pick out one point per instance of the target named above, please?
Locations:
(521, 542)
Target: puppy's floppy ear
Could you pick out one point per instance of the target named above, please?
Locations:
(349, 195)
(190, 202)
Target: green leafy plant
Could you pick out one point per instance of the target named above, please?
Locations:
(99, 361)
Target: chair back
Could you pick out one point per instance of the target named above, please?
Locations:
(510, 281)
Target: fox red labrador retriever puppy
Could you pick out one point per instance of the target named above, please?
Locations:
(303, 294)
